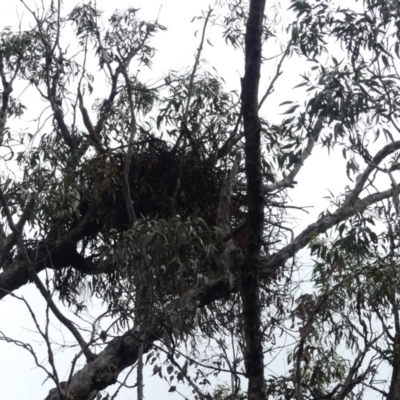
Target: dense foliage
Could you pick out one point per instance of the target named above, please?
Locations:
(171, 202)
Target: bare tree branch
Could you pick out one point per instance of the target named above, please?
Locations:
(322, 225)
(278, 73)
(288, 181)
(362, 178)
(194, 70)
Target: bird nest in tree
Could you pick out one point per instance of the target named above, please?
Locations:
(163, 184)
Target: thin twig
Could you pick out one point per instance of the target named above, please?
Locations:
(195, 66)
(127, 163)
(277, 75)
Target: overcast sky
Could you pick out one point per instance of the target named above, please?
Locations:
(19, 378)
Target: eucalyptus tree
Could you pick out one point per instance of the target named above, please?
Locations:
(171, 202)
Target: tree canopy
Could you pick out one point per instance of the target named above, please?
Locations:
(171, 201)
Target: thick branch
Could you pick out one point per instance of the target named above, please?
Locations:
(94, 138)
(52, 253)
(42, 289)
(321, 226)
(123, 351)
(362, 178)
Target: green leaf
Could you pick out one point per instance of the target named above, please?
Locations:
(291, 109)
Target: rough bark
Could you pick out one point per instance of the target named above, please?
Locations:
(250, 282)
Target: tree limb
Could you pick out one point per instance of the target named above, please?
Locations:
(288, 181)
(42, 289)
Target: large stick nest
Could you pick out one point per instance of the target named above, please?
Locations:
(163, 184)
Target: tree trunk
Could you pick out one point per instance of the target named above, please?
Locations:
(394, 391)
(253, 356)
